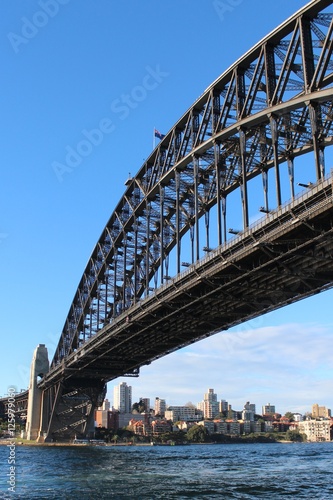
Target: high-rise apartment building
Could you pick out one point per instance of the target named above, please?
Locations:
(268, 409)
(209, 406)
(250, 406)
(105, 406)
(146, 404)
(320, 411)
(160, 407)
(223, 406)
(122, 398)
(249, 411)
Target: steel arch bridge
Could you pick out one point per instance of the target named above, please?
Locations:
(166, 271)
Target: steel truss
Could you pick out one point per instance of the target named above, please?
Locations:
(21, 406)
(273, 105)
(285, 257)
(68, 408)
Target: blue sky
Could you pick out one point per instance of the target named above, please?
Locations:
(67, 68)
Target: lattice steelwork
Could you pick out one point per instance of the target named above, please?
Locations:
(272, 105)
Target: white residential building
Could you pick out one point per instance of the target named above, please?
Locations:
(249, 411)
(186, 413)
(122, 398)
(209, 406)
(315, 430)
(160, 407)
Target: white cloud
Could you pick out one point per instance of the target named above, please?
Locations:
(290, 365)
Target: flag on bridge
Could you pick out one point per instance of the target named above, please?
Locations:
(158, 134)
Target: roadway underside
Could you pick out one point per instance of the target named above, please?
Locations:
(285, 258)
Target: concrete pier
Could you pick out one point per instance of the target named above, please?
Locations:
(39, 368)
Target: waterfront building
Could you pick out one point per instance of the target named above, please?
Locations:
(160, 427)
(256, 426)
(245, 427)
(315, 430)
(209, 425)
(221, 427)
(122, 398)
(248, 426)
(233, 427)
(140, 427)
(181, 425)
(282, 424)
(268, 426)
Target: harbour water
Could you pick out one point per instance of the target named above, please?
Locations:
(221, 471)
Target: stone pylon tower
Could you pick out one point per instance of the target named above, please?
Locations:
(39, 368)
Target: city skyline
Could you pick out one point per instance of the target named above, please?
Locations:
(215, 416)
(62, 82)
(210, 395)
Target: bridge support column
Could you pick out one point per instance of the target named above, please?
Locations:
(39, 367)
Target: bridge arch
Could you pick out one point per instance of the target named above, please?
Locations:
(270, 107)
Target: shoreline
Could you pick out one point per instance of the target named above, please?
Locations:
(8, 442)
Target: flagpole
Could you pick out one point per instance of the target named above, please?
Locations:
(154, 139)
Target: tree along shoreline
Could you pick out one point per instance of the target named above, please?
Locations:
(196, 435)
